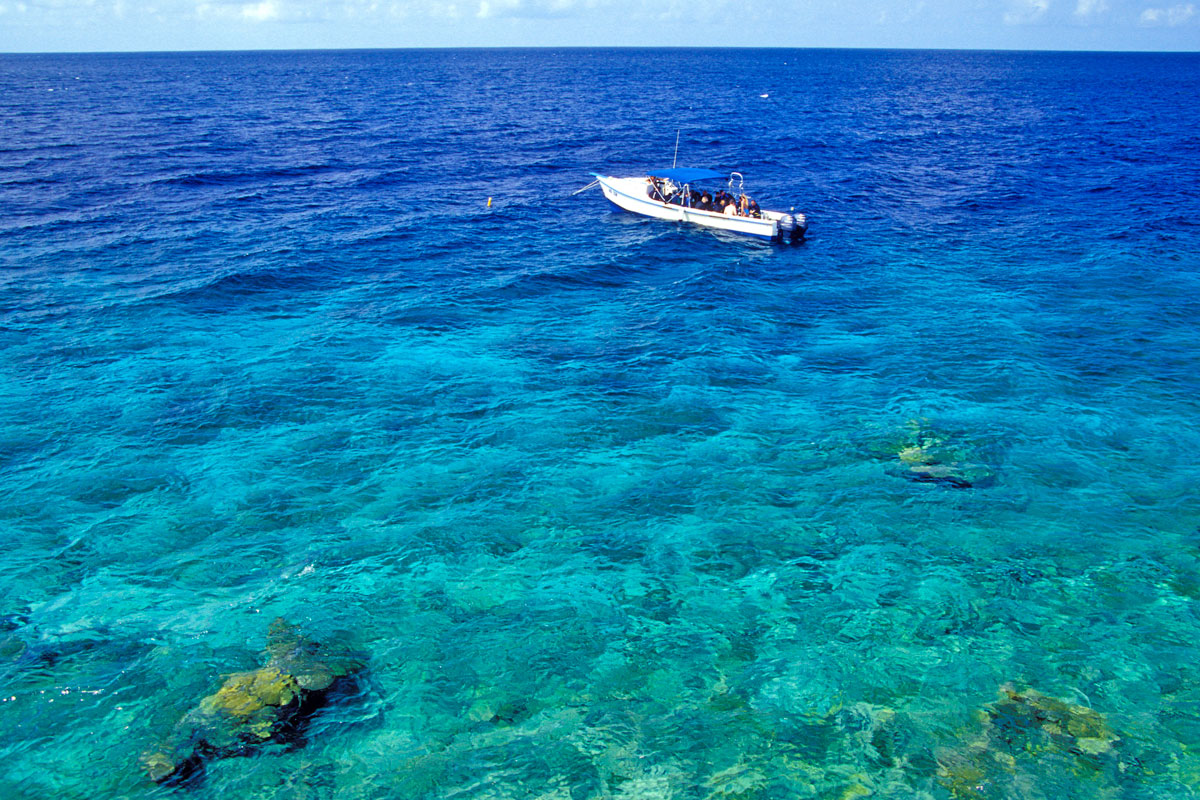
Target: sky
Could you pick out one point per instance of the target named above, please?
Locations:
(115, 25)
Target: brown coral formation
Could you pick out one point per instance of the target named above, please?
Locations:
(1026, 740)
(928, 456)
(253, 707)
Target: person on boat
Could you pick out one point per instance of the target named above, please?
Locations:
(669, 191)
(655, 190)
(706, 202)
(753, 210)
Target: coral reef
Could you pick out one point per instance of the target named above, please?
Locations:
(1028, 739)
(928, 456)
(269, 703)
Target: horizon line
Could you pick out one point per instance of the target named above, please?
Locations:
(591, 47)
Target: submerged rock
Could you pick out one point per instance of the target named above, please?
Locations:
(269, 703)
(928, 456)
(1077, 728)
(1026, 740)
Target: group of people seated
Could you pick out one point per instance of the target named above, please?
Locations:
(722, 202)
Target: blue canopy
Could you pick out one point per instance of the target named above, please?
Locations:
(686, 174)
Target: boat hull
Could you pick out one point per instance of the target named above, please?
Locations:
(630, 194)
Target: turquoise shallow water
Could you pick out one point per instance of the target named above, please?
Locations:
(611, 508)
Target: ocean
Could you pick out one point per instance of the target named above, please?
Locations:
(606, 507)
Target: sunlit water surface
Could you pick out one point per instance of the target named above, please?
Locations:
(611, 507)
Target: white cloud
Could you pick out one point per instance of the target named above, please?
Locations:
(1088, 8)
(1175, 15)
(402, 9)
(263, 11)
(1022, 12)
(529, 8)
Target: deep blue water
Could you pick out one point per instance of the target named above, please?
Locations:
(613, 507)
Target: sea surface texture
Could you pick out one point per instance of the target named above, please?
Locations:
(606, 507)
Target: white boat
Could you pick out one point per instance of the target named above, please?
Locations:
(670, 194)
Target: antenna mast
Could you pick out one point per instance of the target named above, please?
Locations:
(676, 158)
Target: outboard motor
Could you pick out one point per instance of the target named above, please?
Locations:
(801, 227)
(792, 227)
